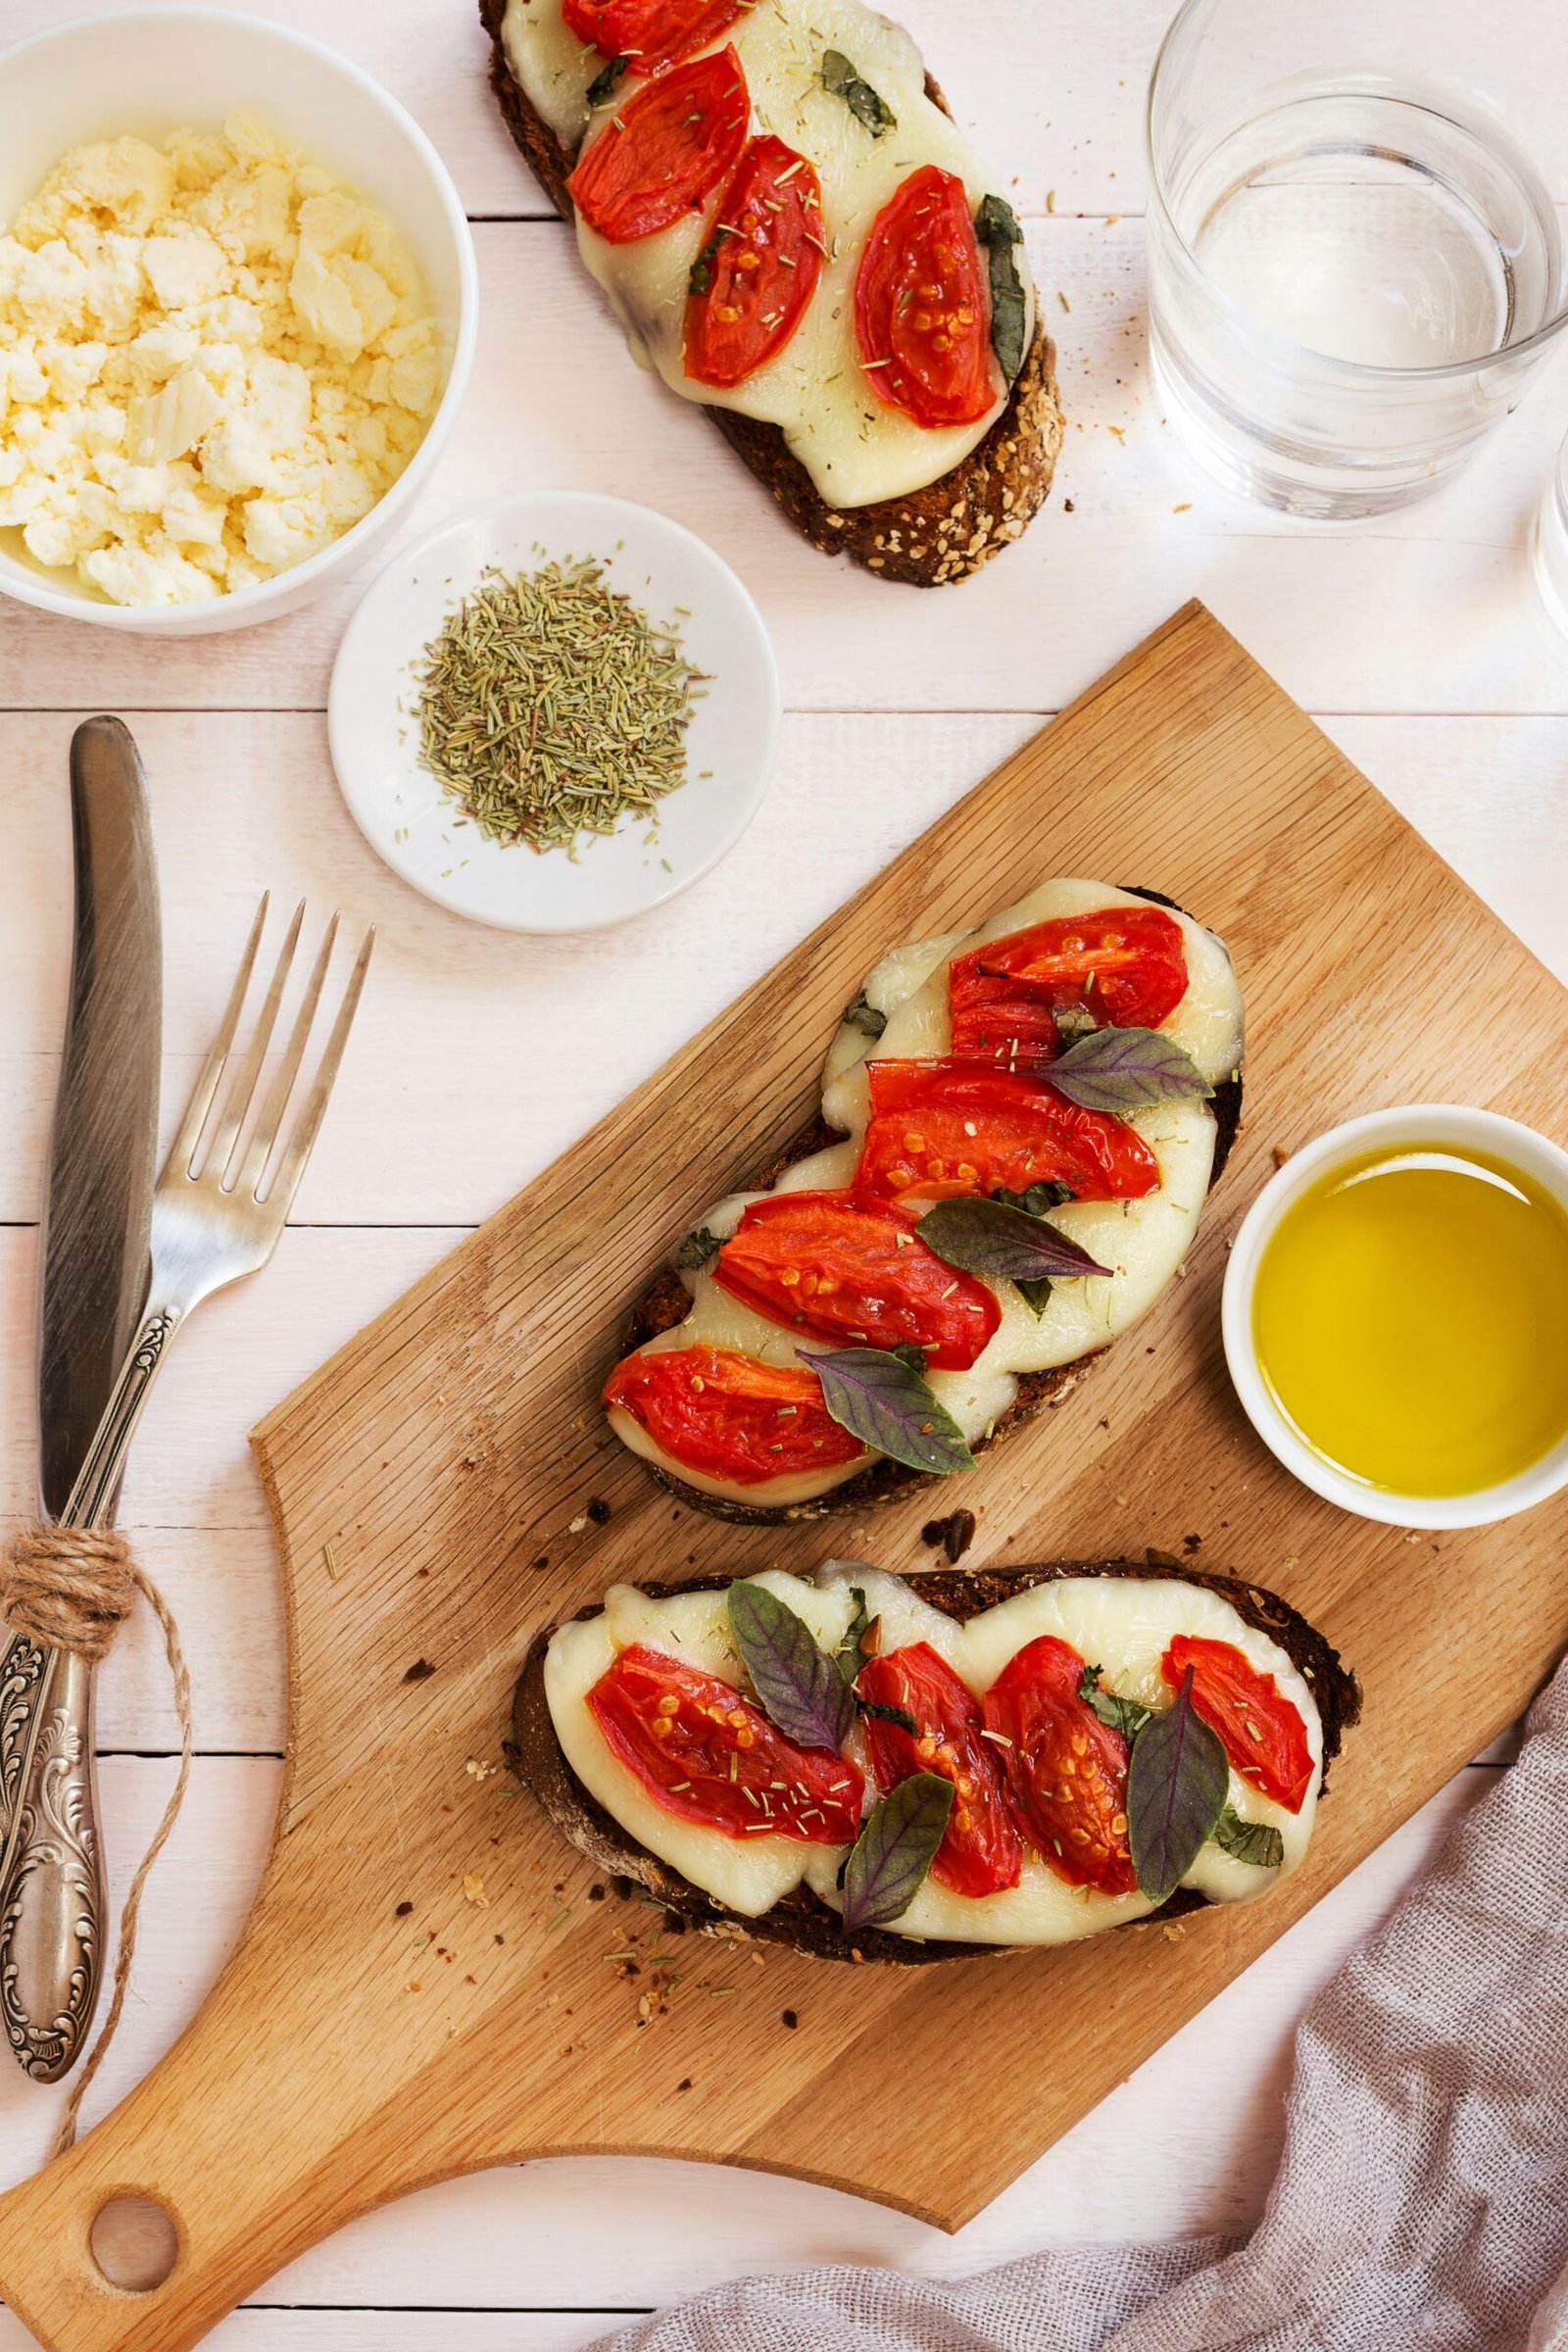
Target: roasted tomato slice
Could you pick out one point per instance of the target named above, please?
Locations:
(981, 1851)
(760, 268)
(1125, 965)
(943, 1127)
(665, 150)
(650, 34)
(998, 1019)
(1065, 1771)
(706, 1753)
(729, 1416)
(1262, 1734)
(847, 1268)
(923, 305)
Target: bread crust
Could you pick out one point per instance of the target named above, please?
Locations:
(666, 1302)
(941, 533)
(799, 1920)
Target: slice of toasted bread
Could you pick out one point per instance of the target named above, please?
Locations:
(666, 1302)
(943, 532)
(799, 1920)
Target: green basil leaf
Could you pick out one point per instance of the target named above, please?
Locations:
(888, 1862)
(874, 1395)
(865, 1018)
(1075, 1021)
(866, 105)
(1177, 1779)
(1127, 1069)
(899, 1715)
(1124, 1715)
(996, 225)
(986, 1236)
(799, 1684)
(697, 1248)
(1037, 1199)
(1255, 1842)
(849, 1656)
(1036, 1293)
(700, 276)
(602, 88)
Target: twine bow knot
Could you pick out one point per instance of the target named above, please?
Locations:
(70, 1588)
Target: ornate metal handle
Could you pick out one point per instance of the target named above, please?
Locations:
(52, 1900)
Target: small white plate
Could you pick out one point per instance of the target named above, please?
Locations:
(730, 741)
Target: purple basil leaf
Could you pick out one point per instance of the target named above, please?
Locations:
(1127, 1069)
(986, 1236)
(800, 1685)
(1177, 1782)
(897, 1845)
(880, 1399)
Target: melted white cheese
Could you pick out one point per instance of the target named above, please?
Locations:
(695, 1627)
(1122, 1624)
(855, 448)
(1144, 1241)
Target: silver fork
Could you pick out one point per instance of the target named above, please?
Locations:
(218, 1213)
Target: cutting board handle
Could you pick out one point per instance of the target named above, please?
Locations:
(49, 2275)
(249, 2178)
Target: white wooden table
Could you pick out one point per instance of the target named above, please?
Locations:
(478, 1057)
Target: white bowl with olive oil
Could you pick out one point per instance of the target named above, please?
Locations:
(1395, 1316)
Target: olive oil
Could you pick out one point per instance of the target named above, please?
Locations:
(1410, 1316)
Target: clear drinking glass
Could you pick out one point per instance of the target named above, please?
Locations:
(1354, 254)
(1548, 544)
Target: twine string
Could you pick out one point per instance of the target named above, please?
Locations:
(72, 1588)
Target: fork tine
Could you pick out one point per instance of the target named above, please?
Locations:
(291, 1168)
(264, 1134)
(237, 1100)
(182, 1150)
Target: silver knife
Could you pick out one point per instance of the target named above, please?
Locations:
(94, 1277)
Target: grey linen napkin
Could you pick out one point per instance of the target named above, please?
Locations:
(1423, 2196)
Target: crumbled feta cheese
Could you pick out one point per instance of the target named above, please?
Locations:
(214, 361)
(185, 269)
(165, 424)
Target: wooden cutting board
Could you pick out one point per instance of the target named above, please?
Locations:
(430, 1980)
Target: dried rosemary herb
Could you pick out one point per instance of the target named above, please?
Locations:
(550, 705)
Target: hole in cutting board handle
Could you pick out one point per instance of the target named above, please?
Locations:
(134, 2243)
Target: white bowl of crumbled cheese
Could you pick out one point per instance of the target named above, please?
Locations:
(238, 305)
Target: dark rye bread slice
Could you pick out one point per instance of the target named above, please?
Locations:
(943, 532)
(666, 1302)
(799, 1919)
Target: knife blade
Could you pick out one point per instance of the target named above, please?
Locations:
(103, 1144)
